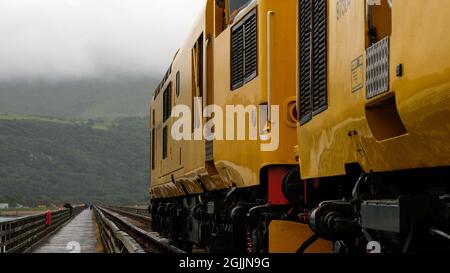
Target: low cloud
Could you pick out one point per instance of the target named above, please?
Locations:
(55, 39)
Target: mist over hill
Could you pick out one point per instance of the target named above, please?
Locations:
(75, 140)
(101, 97)
(76, 78)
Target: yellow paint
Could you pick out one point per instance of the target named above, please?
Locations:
(238, 162)
(287, 237)
(184, 152)
(246, 160)
(323, 146)
(418, 42)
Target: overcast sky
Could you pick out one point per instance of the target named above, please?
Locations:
(85, 38)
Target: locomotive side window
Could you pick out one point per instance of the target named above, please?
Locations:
(165, 142)
(220, 17)
(379, 28)
(153, 118)
(167, 100)
(197, 77)
(167, 111)
(153, 148)
(152, 127)
(379, 20)
(177, 84)
(244, 49)
(313, 59)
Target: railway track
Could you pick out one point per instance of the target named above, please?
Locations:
(135, 223)
(140, 215)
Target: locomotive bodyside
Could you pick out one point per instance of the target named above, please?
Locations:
(179, 156)
(383, 134)
(405, 127)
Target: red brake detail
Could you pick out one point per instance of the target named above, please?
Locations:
(276, 175)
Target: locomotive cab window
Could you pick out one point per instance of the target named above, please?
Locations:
(167, 100)
(221, 18)
(177, 84)
(235, 6)
(379, 20)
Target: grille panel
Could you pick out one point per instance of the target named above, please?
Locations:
(313, 58)
(305, 61)
(237, 58)
(250, 48)
(244, 51)
(377, 72)
(319, 56)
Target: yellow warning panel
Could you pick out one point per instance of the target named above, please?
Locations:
(287, 236)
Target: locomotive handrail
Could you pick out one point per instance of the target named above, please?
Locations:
(269, 69)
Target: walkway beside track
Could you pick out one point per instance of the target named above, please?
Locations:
(77, 236)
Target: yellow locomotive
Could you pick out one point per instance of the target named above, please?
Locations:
(345, 108)
(374, 100)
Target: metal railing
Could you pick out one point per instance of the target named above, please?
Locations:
(20, 235)
(115, 240)
(147, 240)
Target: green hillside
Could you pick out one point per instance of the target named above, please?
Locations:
(78, 98)
(45, 160)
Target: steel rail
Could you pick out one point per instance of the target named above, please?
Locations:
(151, 242)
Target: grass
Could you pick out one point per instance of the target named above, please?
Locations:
(94, 124)
(12, 116)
